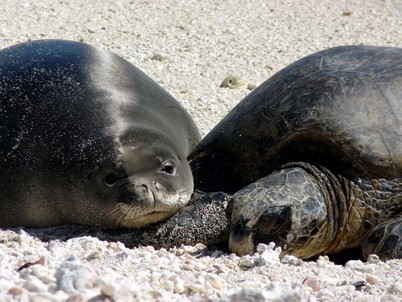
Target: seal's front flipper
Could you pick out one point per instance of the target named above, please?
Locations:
(385, 240)
(203, 221)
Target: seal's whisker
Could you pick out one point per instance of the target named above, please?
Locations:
(185, 190)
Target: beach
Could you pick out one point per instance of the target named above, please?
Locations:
(189, 48)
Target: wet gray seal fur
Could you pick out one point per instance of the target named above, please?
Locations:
(87, 138)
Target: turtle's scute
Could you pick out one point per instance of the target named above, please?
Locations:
(339, 108)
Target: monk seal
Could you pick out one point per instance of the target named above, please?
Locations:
(87, 138)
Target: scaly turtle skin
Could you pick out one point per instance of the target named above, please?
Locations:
(314, 156)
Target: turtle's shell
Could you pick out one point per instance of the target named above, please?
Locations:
(340, 108)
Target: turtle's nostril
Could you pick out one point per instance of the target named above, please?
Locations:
(229, 210)
(239, 230)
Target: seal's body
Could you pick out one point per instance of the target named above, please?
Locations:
(87, 138)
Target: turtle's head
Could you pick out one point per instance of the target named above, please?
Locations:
(286, 207)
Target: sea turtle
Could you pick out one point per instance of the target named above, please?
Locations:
(313, 156)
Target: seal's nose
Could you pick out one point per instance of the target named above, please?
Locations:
(157, 186)
(144, 187)
(138, 193)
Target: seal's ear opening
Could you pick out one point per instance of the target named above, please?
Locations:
(225, 178)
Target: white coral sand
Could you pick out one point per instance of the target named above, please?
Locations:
(190, 47)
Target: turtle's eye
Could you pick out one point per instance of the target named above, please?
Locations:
(275, 220)
(169, 167)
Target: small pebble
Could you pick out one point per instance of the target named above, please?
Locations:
(217, 253)
(247, 261)
(291, 260)
(178, 286)
(80, 297)
(283, 292)
(200, 246)
(189, 249)
(3, 31)
(152, 295)
(262, 247)
(354, 263)
(73, 276)
(157, 57)
(373, 259)
(325, 295)
(215, 282)
(249, 295)
(371, 279)
(396, 288)
(390, 298)
(41, 298)
(268, 254)
(236, 82)
(107, 288)
(16, 291)
(312, 283)
(269, 257)
(324, 262)
(33, 284)
(359, 284)
(233, 82)
(358, 265)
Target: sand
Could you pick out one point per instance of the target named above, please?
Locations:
(189, 47)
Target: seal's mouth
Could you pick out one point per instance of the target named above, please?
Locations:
(130, 219)
(152, 217)
(145, 206)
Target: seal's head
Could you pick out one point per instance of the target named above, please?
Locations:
(149, 183)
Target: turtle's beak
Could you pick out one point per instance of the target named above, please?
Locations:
(241, 240)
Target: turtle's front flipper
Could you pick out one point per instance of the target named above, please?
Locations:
(385, 240)
(202, 221)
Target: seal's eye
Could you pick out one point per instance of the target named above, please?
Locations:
(169, 167)
(111, 179)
